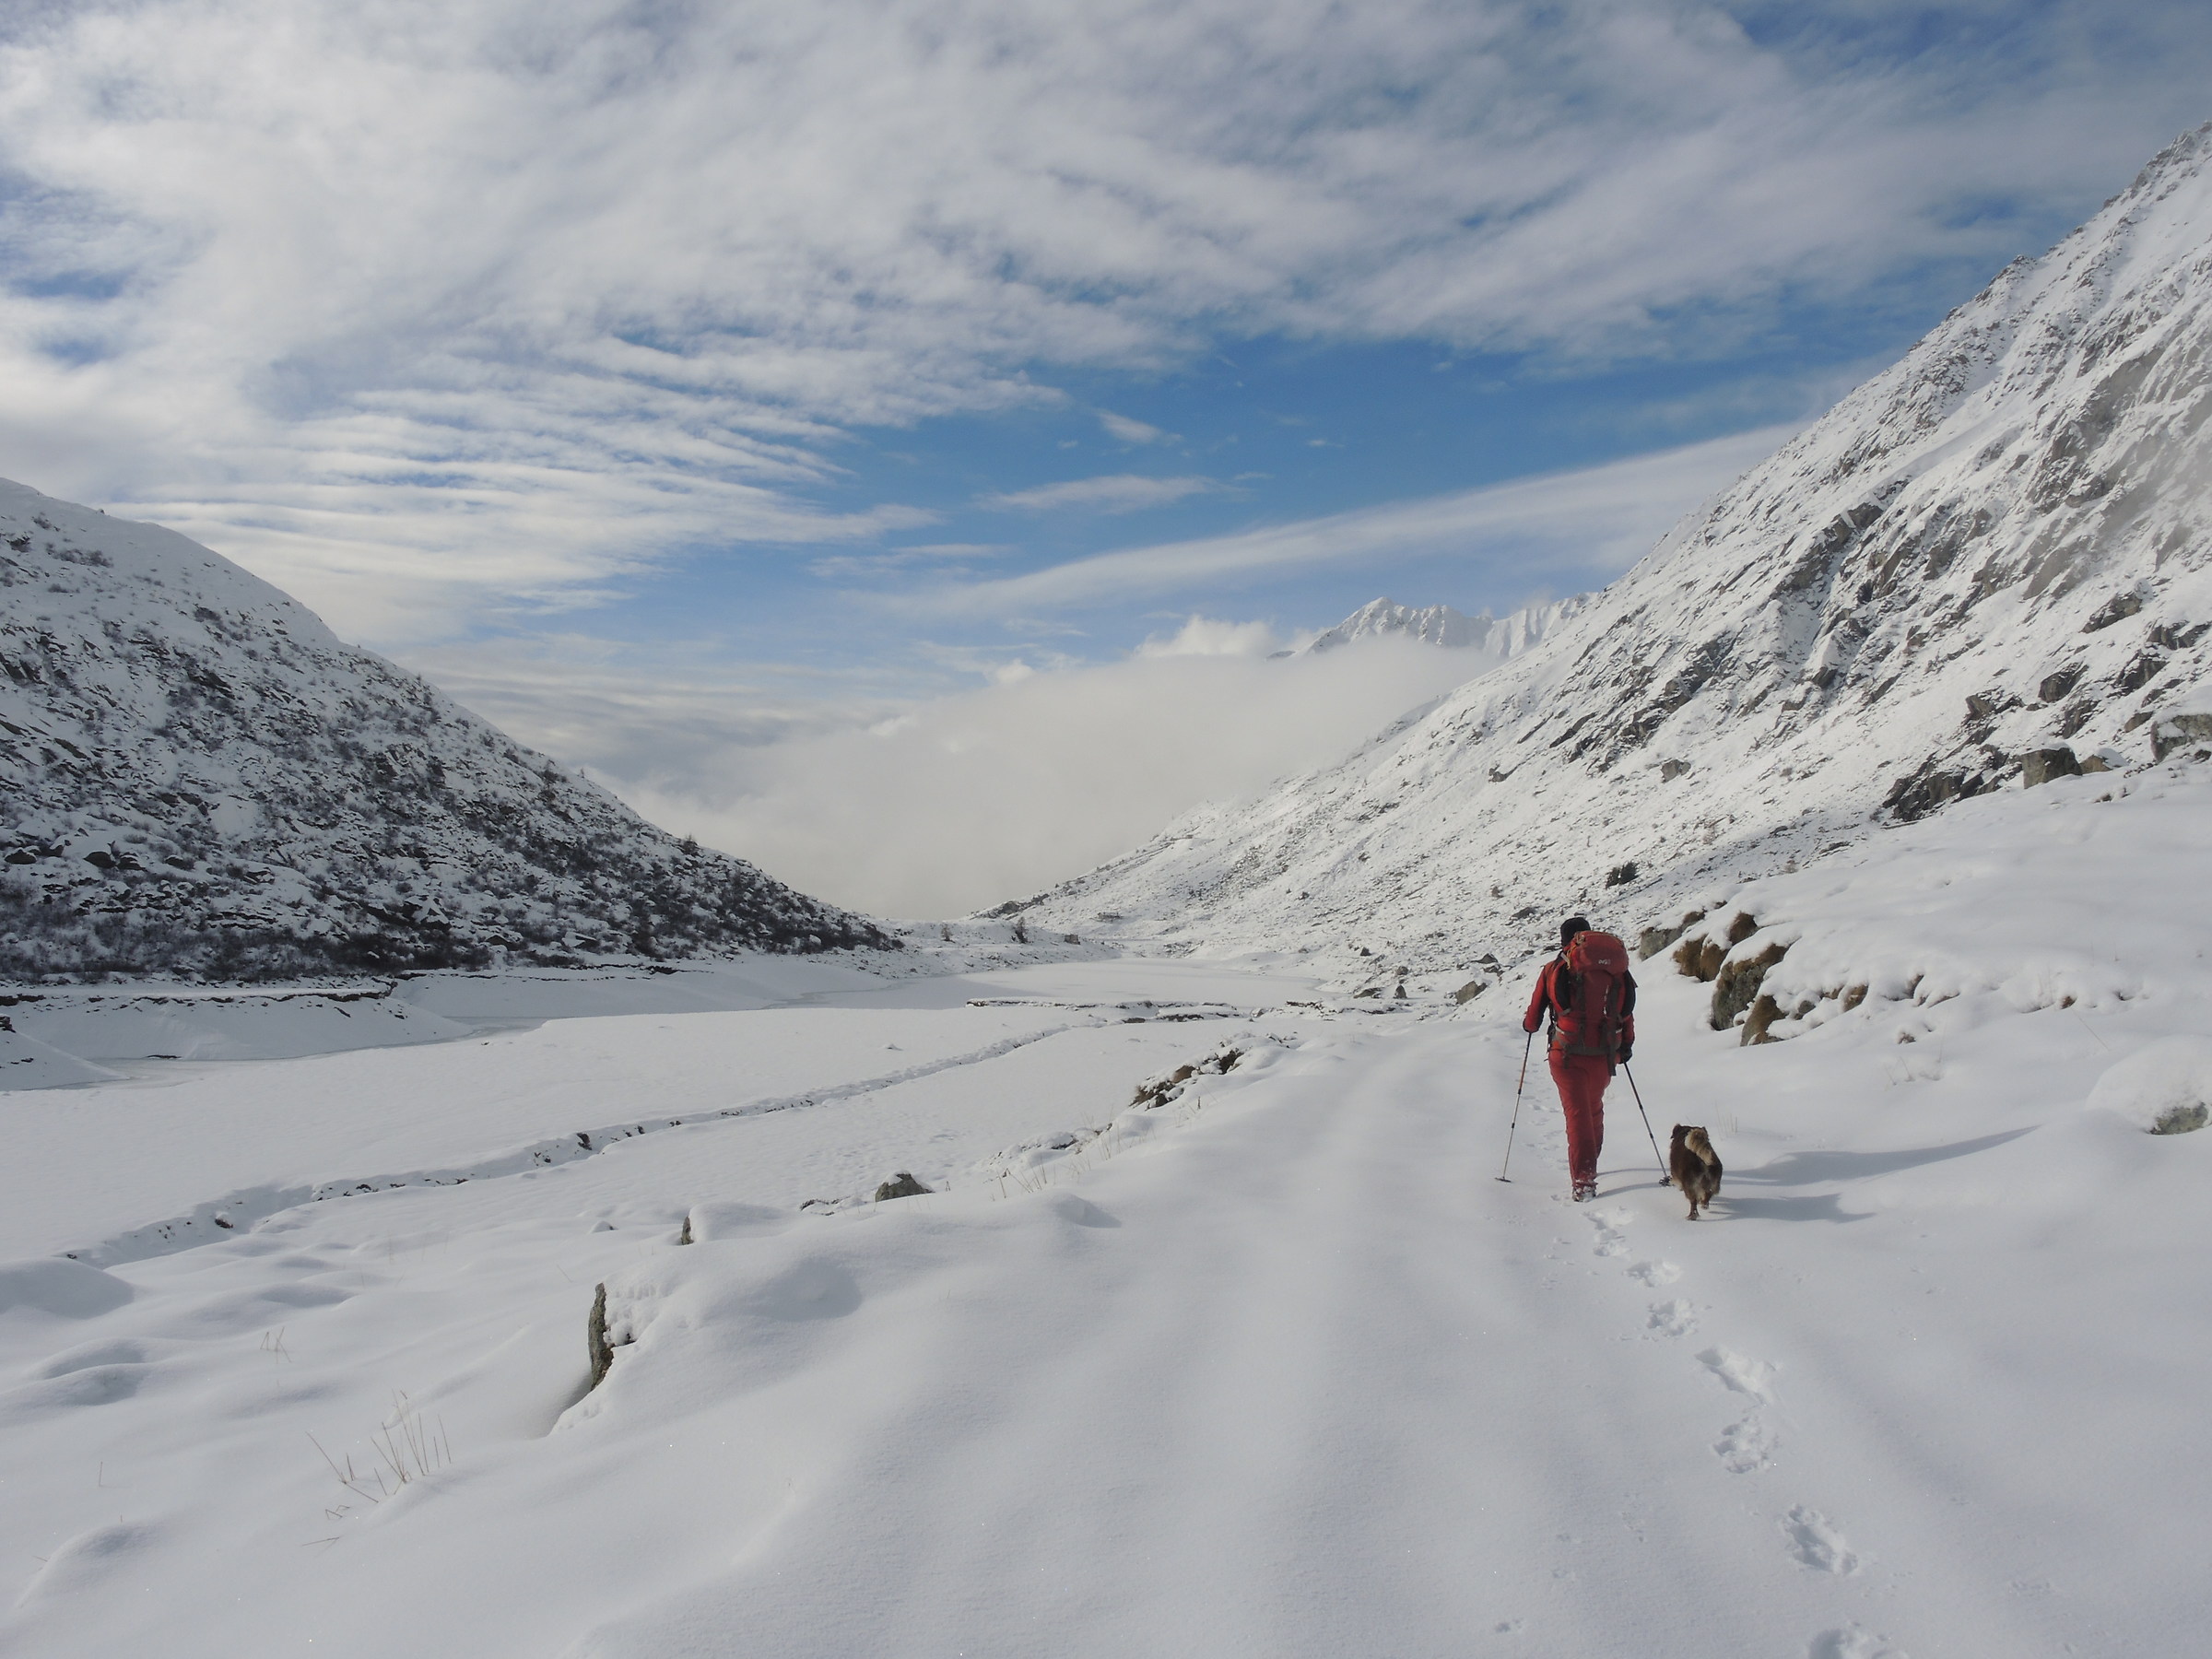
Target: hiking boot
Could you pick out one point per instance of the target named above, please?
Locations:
(1584, 1190)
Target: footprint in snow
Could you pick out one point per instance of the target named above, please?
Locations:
(1740, 1372)
(1655, 1273)
(1611, 1240)
(1746, 1447)
(1676, 1318)
(1814, 1542)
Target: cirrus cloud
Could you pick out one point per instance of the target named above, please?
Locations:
(429, 312)
(1122, 492)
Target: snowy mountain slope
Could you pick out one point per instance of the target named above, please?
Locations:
(1497, 637)
(197, 776)
(1989, 565)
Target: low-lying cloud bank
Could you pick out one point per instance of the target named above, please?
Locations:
(965, 800)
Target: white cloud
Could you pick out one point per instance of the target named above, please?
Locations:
(1206, 636)
(965, 800)
(1594, 523)
(422, 309)
(1131, 431)
(1122, 492)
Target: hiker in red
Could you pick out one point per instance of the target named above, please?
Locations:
(1590, 995)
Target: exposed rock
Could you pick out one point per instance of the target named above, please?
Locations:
(1671, 770)
(2180, 1120)
(1764, 1013)
(1653, 940)
(2146, 666)
(595, 1339)
(2040, 766)
(2116, 609)
(1922, 791)
(2179, 730)
(1743, 927)
(685, 1237)
(1159, 1091)
(2056, 686)
(902, 1185)
(1853, 997)
(1735, 987)
(1700, 957)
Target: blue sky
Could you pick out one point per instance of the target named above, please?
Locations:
(681, 383)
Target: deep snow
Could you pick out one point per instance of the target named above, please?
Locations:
(1274, 1368)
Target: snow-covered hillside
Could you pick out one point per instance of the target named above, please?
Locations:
(1989, 565)
(1496, 638)
(196, 776)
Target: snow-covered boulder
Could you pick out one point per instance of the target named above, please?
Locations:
(2166, 1089)
(59, 1289)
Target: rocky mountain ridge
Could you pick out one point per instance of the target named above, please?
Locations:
(1988, 567)
(197, 778)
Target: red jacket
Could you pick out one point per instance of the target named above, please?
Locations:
(1547, 1001)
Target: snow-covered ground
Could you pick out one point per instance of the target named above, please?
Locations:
(1272, 1368)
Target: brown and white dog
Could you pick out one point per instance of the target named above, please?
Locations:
(1695, 1166)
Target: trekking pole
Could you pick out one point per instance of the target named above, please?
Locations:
(1664, 1179)
(1517, 1122)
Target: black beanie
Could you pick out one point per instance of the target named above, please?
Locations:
(1569, 928)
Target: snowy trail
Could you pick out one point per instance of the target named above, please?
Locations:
(1284, 1372)
(1375, 1409)
(1322, 1387)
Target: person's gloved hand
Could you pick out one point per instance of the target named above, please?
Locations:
(1627, 1055)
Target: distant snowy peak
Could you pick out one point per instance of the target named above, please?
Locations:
(1385, 619)
(1441, 625)
(1988, 567)
(198, 777)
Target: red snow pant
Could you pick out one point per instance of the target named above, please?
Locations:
(1581, 1079)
